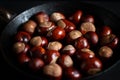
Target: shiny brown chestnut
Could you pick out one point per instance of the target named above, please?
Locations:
(73, 35)
(84, 54)
(36, 64)
(66, 24)
(91, 66)
(105, 30)
(72, 74)
(55, 16)
(44, 27)
(110, 40)
(53, 71)
(76, 17)
(88, 18)
(44, 41)
(57, 33)
(37, 52)
(22, 36)
(86, 27)
(36, 41)
(54, 45)
(92, 37)
(69, 50)
(20, 47)
(105, 52)
(51, 56)
(30, 26)
(81, 43)
(41, 17)
(23, 58)
(65, 61)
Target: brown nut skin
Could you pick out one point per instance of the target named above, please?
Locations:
(66, 24)
(72, 74)
(105, 52)
(51, 56)
(91, 66)
(86, 27)
(110, 40)
(104, 31)
(44, 27)
(56, 16)
(69, 50)
(76, 17)
(84, 54)
(92, 37)
(57, 33)
(20, 47)
(114, 43)
(65, 61)
(53, 71)
(22, 36)
(54, 45)
(44, 41)
(29, 26)
(23, 58)
(36, 64)
(41, 17)
(87, 18)
(36, 41)
(37, 52)
(72, 36)
(81, 43)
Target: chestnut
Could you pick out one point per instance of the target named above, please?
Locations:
(36, 41)
(114, 43)
(91, 66)
(36, 64)
(72, 74)
(105, 52)
(30, 26)
(44, 41)
(81, 43)
(56, 16)
(23, 58)
(41, 17)
(68, 49)
(65, 61)
(37, 51)
(44, 27)
(92, 37)
(87, 18)
(53, 70)
(76, 17)
(22, 36)
(66, 24)
(57, 33)
(86, 27)
(105, 30)
(84, 54)
(54, 45)
(20, 47)
(73, 35)
(110, 40)
(51, 56)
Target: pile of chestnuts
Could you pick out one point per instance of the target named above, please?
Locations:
(62, 47)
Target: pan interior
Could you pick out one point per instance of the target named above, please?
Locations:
(103, 16)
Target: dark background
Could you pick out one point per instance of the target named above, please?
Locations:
(19, 6)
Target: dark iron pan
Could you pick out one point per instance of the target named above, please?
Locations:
(103, 16)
